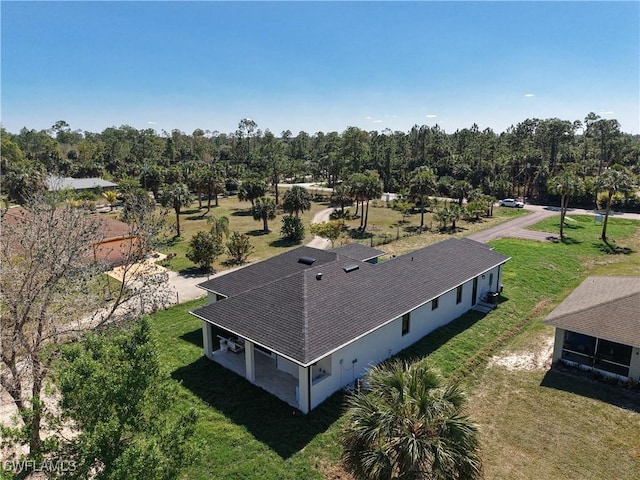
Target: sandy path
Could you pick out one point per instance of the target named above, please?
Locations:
(319, 242)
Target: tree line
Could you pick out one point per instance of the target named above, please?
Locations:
(520, 162)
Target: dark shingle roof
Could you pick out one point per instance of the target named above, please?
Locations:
(603, 307)
(357, 251)
(305, 319)
(266, 271)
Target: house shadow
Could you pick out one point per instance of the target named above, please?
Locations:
(436, 339)
(271, 421)
(586, 385)
(194, 337)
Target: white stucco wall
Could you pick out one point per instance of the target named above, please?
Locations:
(287, 366)
(353, 360)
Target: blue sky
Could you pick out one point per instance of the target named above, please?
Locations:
(317, 66)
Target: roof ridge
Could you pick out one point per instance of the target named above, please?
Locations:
(305, 314)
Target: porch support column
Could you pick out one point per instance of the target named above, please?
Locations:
(207, 341)
(304, 402)
(249, 361)
(634, 369)
(558, 344)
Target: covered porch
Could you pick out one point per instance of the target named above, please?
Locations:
(266, 375)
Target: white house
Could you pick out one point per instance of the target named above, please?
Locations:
(598, 327)
(308, 322)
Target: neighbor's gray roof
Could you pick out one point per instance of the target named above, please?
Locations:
(603, 307)
(305, 319)
(357, 251)
(59, 183)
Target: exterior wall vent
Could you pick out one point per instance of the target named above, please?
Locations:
(351, 268)
(306, 260)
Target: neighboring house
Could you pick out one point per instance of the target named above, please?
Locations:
(117, 243)
(308, 322)
(598, 326)
(60, 183)
(116, 239)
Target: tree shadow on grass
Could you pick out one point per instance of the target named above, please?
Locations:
(242, 213)
(585, 384)
(195, 272)
(611, 248)
(284, 243)
(270, 420)
(192, 218)
(359, 234)
(257, 233)
(190, 211)
(566, 240)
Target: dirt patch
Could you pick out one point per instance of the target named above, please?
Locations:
(333, 471)
(538, 359)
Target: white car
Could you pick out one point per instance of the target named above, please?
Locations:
(510, 202)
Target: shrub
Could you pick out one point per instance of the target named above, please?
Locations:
(239, 247)
(292, 229)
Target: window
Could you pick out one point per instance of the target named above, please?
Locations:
(434, 303)
(491, 280)
(601, 354)
(459, 294)
(405, 323)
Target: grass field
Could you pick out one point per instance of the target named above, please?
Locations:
(535, 424)
(384, 225)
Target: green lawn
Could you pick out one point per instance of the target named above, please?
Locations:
(534, 424)
(384, 225)
(193, 220)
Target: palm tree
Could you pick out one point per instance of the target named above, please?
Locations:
(455, 212)
(111, 197)
(342, 196)
(219, 226)
(372, 188)
(176, 196)
(566, 184)
(423, 183)
(296, 200)
(356, 184)
(460, 189)
(264, 209)
(611, 181)
(410, 426)
(250, 189)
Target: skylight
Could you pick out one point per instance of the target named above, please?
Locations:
(351, 268)
(306, 260)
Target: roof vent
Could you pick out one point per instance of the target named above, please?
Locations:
(319, 276)
(306, 260)
(351, 268)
